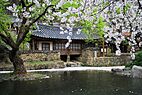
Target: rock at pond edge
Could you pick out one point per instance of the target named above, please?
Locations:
(136, 71)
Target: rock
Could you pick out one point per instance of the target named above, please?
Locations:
(136, 71)
(73, 64)
(46, 77)
(117, 70)
(125, 71)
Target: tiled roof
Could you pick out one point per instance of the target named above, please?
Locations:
(54, 33)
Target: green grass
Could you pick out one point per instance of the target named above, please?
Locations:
(44, 64)
(39, 62)
(36, 65)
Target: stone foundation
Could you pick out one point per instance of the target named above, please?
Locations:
(111, 61)
(88, 58)
(107, 61)
(50, 56)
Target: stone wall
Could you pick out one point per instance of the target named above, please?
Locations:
(4, 58)
(88, 58)
(106, 61)
(50, 56)
(111, 61)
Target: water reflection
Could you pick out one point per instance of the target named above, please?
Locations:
(75, 83)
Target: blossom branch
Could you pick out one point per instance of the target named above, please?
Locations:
(45, 11)
(140, 6)
(105, 7)
(24, 31)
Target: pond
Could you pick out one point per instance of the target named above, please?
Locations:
(75, 83)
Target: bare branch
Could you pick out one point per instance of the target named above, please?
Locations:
(105, 7)
(140, 6)
(23, 3)
(22, 35)
(8, 41)
(84, 5)
(136, 15)
(30, 5)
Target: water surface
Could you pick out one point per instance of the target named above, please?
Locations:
(75, 83)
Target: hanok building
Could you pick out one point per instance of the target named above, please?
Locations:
(52, 38)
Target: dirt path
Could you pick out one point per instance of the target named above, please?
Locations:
(74, 69)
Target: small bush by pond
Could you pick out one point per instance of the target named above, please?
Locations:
(36, 65)
(44, 64)
(137, 61)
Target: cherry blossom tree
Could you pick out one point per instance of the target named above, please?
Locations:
(26, 12)
(124, 17)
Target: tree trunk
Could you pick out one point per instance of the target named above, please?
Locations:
(18, 63)
(103, 47)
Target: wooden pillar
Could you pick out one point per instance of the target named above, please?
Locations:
(68, 54)
(33, 45)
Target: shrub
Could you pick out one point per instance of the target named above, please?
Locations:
(137, 61)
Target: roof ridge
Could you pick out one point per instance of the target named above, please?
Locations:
(58, 26)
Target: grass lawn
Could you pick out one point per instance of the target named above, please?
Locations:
(36, 65)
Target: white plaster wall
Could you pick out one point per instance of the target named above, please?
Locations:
(40, 45)
(51, 46)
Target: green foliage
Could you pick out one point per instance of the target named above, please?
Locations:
(105, 4)
(125, 42)
(87, 24)
(100, 26)
(24, 44)
(109, 12)
(4, 18)
(69, 4)
(118, 10)
(95, 11)
(88, 30)
(54, 2)
(137, 61)
(0, 41)
(126, 8)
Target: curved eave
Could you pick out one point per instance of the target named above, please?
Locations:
(60, 37)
